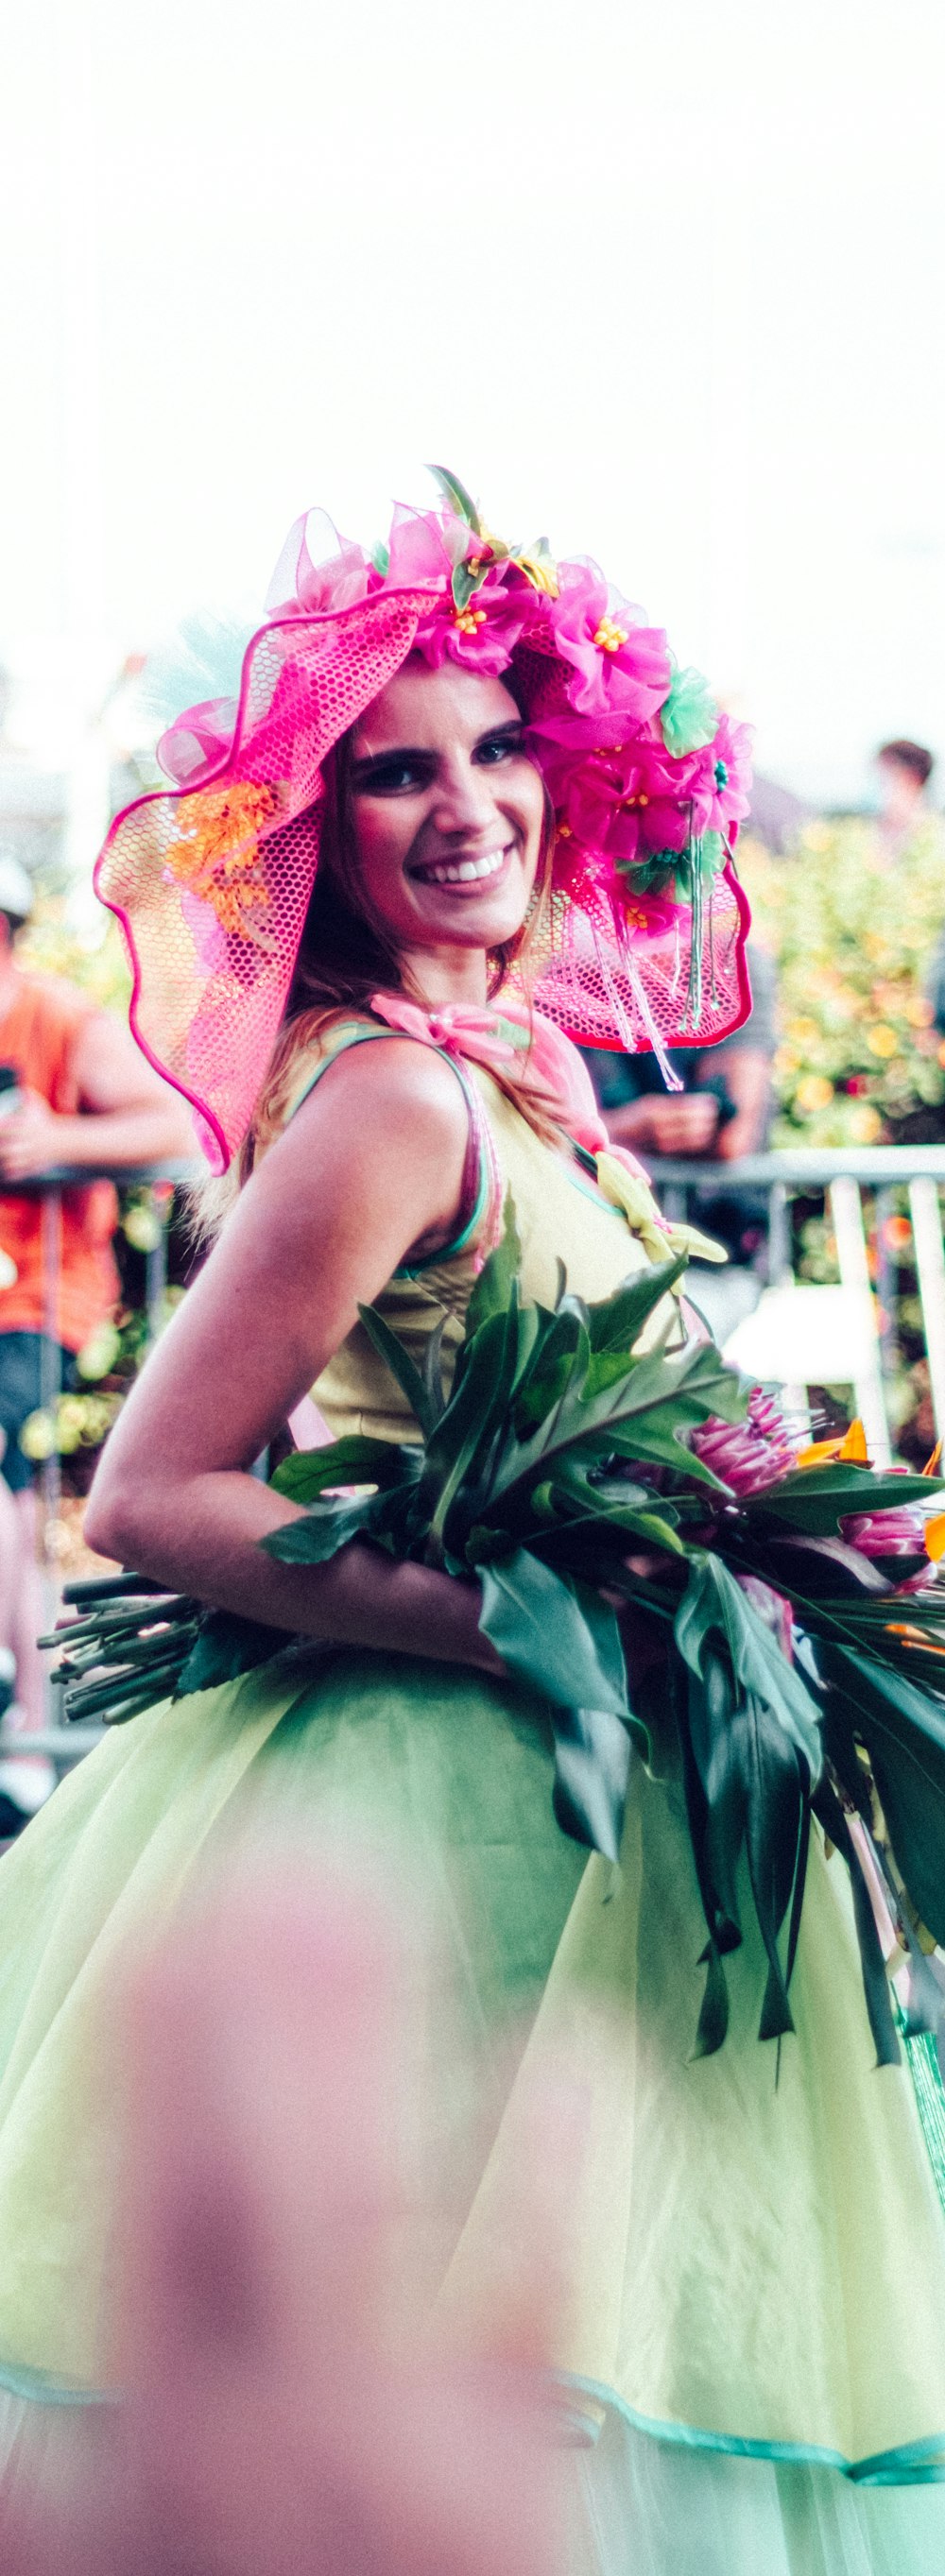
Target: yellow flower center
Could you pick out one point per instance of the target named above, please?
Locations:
(469, 620)
(610, 637)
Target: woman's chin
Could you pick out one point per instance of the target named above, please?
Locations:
(467, 917)
(470, 925)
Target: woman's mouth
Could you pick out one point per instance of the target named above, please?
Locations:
(463, 872)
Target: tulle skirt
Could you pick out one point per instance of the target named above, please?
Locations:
(753, 2250)
(645, 2508)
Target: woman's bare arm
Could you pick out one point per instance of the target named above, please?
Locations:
(371, 1164)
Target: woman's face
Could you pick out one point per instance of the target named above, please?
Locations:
(448, 810)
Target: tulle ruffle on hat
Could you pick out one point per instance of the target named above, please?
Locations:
(211, 879)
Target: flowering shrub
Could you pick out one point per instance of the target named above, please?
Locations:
(853, 931)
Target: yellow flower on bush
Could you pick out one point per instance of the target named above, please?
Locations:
(814, 1092)
(882, 1039)
(864, 1125)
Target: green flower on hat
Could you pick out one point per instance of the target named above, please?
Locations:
(689, 717)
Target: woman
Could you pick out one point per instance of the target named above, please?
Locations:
(436, 752)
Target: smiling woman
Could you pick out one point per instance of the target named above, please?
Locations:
(450, 815)
(464, 805)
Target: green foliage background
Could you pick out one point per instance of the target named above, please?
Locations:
(852, 932)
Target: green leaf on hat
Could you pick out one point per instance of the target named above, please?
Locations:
(457, 496)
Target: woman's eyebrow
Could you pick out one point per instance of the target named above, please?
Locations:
(496, 732)
(364, 762)
(393, 751)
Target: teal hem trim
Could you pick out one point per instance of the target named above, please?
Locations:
(912, 2464)
(18, 2380)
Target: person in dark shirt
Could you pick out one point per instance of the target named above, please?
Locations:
(722, 1113)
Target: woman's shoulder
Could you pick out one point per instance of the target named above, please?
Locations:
(379, 1073)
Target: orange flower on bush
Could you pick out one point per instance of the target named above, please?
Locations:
(216, 853)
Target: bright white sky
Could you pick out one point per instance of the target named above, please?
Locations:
(662, 282)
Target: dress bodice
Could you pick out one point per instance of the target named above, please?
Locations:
(560, 1214)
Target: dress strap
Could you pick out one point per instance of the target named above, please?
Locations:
(481, 1187)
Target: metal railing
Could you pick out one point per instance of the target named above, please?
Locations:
(64, 1745)
(842, 1177)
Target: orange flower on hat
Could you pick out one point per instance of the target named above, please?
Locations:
(216, 853)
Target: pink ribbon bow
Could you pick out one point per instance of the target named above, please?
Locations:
(545, 1059)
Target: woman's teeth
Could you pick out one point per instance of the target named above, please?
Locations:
(463, 871)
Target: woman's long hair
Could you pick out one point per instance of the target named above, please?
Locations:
(345, 955)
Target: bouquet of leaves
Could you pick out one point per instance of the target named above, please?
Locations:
(586, 1482)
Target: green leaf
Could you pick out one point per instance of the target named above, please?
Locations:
(644, 1417)
(753, 1752)
(465, 583)
(593, 1753)
(542, 1382)
(355, 1460)
(455, 494)
(816, 1499)
(390, 1348)
(319, 1533)
(433, 1371)
(606, 1368)
(493, 1288)
(459, 1449)
(714, 1602)
(903, 1729)
(225, 1647)
(616, 1322)
(560, 1637)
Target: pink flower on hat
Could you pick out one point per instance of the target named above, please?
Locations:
(483, 635)
(618, 662)
(318, 571)
(728, 760)
(628, 800)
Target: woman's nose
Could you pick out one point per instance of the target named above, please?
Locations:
(464, 800)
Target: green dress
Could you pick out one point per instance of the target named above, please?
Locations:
(753, 2335)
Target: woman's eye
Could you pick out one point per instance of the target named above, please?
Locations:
(500, 746)
(391, 778)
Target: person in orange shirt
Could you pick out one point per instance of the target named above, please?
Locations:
(82, 1095)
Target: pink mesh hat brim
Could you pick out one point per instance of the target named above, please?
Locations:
(211, 884)
(211, 879)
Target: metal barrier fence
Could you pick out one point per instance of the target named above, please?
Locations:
(49, 1187)
(842, 1177)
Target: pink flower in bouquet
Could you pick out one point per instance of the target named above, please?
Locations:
(748, 1456)
(618, 662)
(899, 1532)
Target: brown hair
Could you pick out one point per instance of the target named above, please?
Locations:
(345, 955)
(911, 756)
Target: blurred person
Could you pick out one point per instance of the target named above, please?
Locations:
(274, 2424)
(903, 769)
(76, 1092)
(721, 1114)
(339, 921)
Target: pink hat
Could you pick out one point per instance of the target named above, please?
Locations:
(211, 878)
